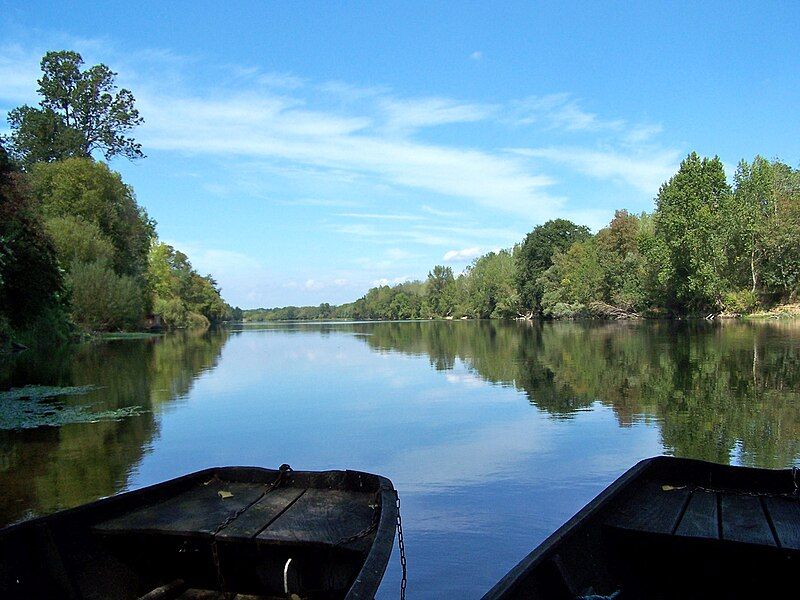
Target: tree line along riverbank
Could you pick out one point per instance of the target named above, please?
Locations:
(77, 252)
(710, 247)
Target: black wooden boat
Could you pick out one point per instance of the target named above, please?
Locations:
(258, 533)
(672, 528)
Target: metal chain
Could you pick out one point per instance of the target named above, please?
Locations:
(376, 515)
(402, 546)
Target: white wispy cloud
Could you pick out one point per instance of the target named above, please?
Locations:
(380, 216)
(19, 70)
(283, 120)
(320, 202)
(477, 55)
(449, 214)
(643, 170)
(562, 111)
(276, 128)
(463, 255)
(412, 114)
(399, 254)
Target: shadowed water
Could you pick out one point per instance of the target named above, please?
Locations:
(494, 433)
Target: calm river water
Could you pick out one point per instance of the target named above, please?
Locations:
(493, 433)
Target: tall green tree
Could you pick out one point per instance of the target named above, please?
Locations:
(781, 269)
(89, 190)
(753, 210)
(535, 255)
(690, 211)
(81, 111)
(624, 265)
(439, 291)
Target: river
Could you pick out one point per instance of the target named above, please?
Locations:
(493, 433)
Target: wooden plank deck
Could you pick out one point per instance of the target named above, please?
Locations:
(322, 516)
(785, 515)
(261, 514)
(197, 511)
(651, 509)
(700, 517)
(687, 512)
(744, 520)
(293, 515)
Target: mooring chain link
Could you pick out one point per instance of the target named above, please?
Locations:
(402, 546)
(282, 472)
(376, 515)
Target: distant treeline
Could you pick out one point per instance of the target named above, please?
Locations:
(709, 247)
(76, 249)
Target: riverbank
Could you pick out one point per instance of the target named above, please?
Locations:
(782, 311)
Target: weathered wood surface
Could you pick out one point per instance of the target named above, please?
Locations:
(700, 517)
(256, 518)
(650, 509)
(743, 520)
(785, 515)
(322, 516)
(286, 515)
(200, 510)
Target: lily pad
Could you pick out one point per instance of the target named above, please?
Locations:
(37, 406)
(40, 392)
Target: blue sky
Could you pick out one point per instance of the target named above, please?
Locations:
(303, 152)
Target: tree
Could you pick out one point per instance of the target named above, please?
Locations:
(574, 279)
(42, 136)
(752, 209)
(31, 285)
(81, 111)
(180, 295)
(89, 190)
(689, 216)
(623, 264)
(781, 269)
(439, 288)
(535, 255)
(490, 286)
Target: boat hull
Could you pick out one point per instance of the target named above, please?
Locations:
(246, 530)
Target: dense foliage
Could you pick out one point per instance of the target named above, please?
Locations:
(708, 248)
(75, 246)
(180, 295)
(31, 286)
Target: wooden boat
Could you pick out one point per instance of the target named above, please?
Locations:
(672, 528)
(258, 533)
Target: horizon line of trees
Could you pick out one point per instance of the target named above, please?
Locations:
(709, 247)
(76, 248)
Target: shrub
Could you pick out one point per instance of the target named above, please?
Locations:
(103, 300)
(741, 301)
(78, 240)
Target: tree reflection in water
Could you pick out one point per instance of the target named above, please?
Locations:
(716, 390)
(49, 468)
